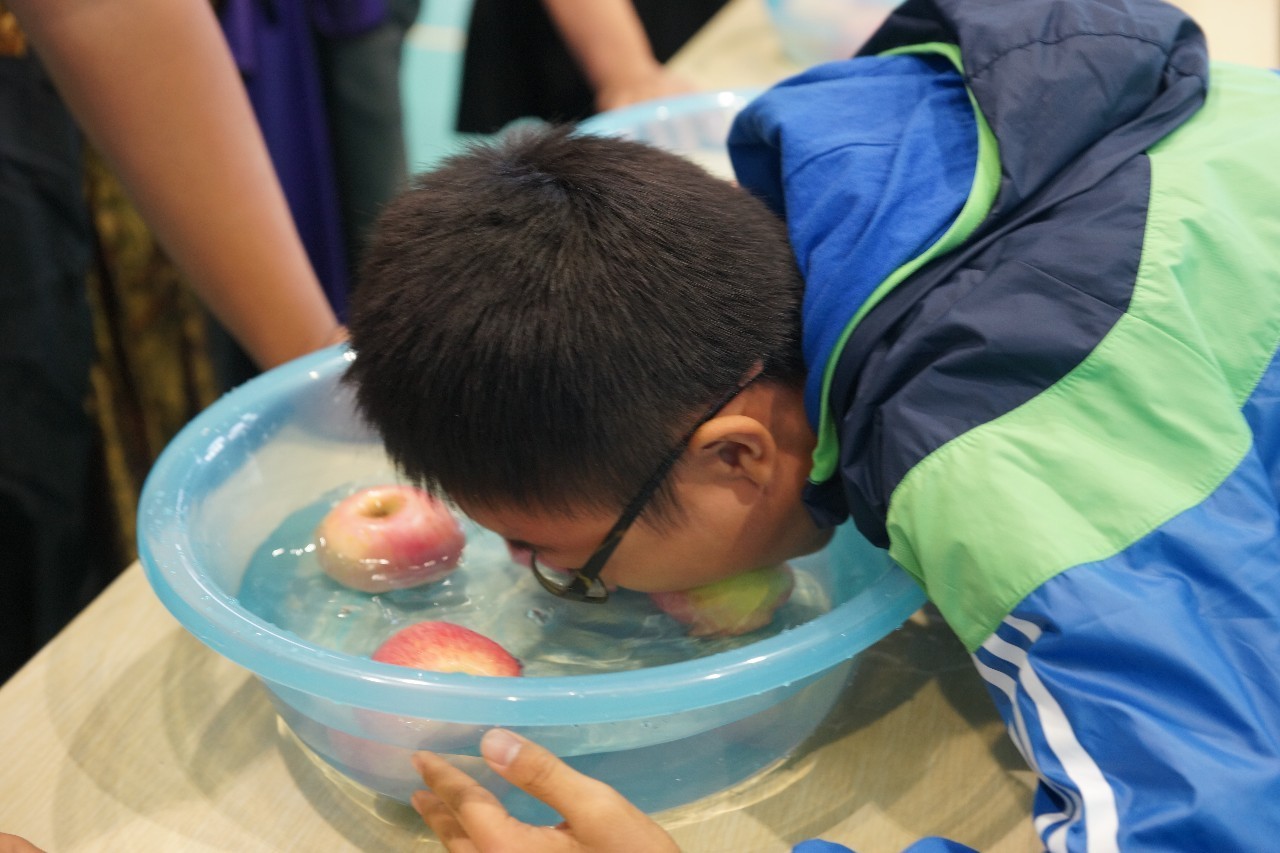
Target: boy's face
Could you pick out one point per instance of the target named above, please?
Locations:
(714, 538)
(738, 486)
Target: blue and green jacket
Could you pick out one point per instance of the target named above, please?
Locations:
(1041, 246)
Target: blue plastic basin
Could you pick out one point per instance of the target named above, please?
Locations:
(663, 735)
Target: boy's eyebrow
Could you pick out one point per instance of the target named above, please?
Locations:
(523, 545)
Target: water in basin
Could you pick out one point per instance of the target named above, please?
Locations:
(488, 593)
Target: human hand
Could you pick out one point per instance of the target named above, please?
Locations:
(469, 819)
(653, 82)
(14, 844)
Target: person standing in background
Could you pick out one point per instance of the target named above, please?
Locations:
(152, 84)
(360, 73)
(563, 60)
(323, 77)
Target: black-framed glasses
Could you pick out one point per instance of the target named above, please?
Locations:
(584, 584)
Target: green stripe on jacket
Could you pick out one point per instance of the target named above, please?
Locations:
(1149, 424)
(982, 193)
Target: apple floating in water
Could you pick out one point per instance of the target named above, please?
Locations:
(390, 738)
(732, 606)
(446, 647)
(389, 537)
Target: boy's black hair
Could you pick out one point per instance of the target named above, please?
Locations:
(540, 319)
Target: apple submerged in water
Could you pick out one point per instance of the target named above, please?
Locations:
(732, 606)
(437, 647)
(446, 647)
(389, 537)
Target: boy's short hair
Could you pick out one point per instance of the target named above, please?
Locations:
(540, 318)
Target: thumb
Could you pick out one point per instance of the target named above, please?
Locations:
(583, 802)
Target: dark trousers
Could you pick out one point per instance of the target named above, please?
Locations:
(46, 436)
(360, 75)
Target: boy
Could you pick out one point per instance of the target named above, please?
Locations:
(1031, 357)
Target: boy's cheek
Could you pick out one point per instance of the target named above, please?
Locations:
(666, 576)
(520, 556)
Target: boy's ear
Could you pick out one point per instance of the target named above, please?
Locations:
(734, 448)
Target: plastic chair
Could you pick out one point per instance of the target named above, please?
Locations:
(431, 81)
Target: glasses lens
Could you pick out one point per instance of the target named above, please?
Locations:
(570, 584)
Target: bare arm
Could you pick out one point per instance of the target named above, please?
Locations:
(154, 87)
(14, 844)
(609, 44)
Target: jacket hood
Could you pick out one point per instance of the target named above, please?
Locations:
(869, 161)
(1052, 77)
(954, 116)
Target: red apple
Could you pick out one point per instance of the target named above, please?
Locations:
(445, 647)
(389, 537)
(435, 646)
(732, 606)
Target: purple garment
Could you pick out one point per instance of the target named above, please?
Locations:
(347, 17)
(273, 44)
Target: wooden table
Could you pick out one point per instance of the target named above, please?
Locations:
(125, 733)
